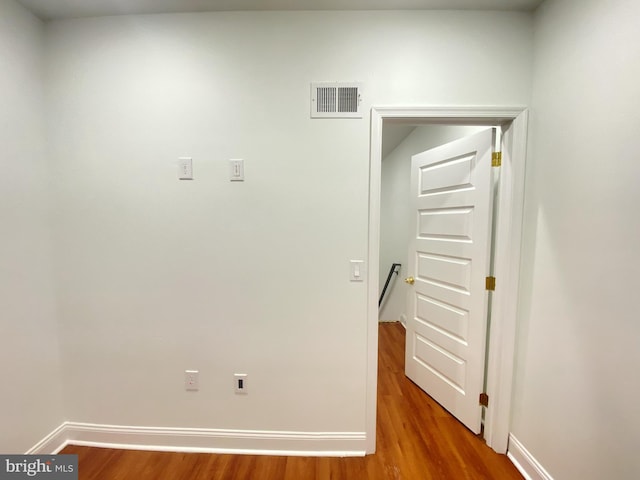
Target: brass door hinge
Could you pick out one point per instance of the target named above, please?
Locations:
(496, 159)
(490, 283)
(484, 400)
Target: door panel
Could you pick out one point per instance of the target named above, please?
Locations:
(448, 175)
(439, 316)
(449, 259)
(443, 270)
(449, 223)
(449, 367)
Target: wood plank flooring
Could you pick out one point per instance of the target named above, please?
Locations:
(416, 440)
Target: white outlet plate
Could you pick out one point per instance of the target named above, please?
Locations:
(240, 382)
(191, 380)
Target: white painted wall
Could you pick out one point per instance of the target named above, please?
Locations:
(577, 382)
(30, 392)
(156, 276)
(395, 209)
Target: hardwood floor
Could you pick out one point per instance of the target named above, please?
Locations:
(416, 440)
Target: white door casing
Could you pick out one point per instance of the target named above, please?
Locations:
(501, 342)
(449, 260)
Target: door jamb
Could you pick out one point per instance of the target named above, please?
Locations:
(507, 264)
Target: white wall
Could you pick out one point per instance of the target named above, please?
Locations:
(157, 275)
(29, 363)
(395, 209)
(577, 382)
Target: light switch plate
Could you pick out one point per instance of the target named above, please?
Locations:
(236, 170)
(357, 270)
(185, 168)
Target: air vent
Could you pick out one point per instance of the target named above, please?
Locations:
(335, 100)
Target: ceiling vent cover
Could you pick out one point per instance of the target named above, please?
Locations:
(335, 100)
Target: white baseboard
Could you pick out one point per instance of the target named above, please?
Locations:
(203, 440)
(51, 444)
(528, 466)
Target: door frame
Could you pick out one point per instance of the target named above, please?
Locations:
(508, 239)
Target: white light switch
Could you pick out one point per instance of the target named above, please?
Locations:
(236, 170)
(357, 270)
(185, 168)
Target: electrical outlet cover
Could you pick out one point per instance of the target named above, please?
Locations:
(191, 380)
(240, 380)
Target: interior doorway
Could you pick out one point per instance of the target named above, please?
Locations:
(513, 122)
(400, 141)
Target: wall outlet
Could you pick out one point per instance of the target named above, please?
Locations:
(191, 380)
(240, 381)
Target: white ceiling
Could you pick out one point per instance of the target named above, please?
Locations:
(57, 9)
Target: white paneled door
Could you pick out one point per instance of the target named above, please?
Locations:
(449, 260)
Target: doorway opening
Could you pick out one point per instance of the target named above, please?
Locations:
(501, 340)
(401, 141)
